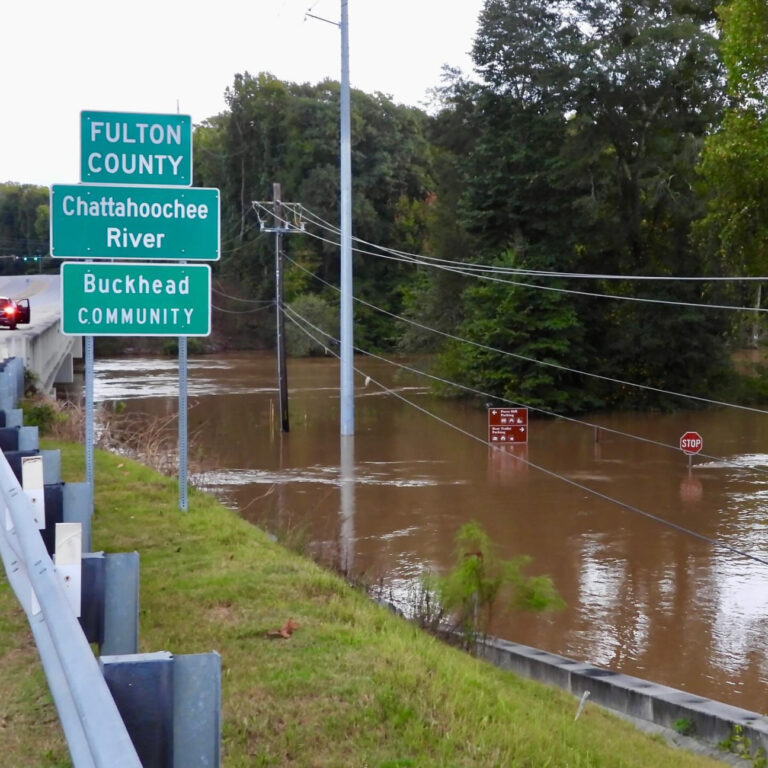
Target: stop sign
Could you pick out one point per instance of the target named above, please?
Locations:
(691, 442)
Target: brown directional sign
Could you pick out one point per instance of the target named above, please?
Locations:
(507, 425)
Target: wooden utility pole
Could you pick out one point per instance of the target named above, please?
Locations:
(282, 374)
(281, 227)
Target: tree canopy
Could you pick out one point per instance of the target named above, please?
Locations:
(600, 142)
(587, 126)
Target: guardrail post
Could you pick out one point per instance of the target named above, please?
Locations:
(197, 711)
(171, 706)
(110, 602)
(121, 603)
(67, 559)
(32, 483)
(15, 437)
(11, 417)
(77, 507)
(142, 687)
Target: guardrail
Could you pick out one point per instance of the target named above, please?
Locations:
(101, 703)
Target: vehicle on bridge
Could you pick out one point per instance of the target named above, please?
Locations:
(13, 312)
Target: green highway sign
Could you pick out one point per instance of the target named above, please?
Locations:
(133, 148)
(108, 299)
(92, 221)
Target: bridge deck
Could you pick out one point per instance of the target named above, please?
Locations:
(41, 345)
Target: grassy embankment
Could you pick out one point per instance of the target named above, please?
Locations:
(353, 686)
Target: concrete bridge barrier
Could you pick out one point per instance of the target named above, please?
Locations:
(40, 345)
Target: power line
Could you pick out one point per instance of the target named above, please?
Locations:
(238, 298)
(527, 359)
(544, 470)
(516, 403)
(241, 311)
(469, 270)
(537, 272)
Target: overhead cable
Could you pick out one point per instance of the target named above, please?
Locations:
(544, 470)
(527, 359)
(520, 404)
(534, 272)
(591, 294)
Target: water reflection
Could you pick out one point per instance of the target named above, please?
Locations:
(642, 598)
(507, 465)
(347, 510)
(691, 488)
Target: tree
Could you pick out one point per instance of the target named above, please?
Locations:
(481, 583)
(24, 213)
(524, 337)
(283, 132)
(587, 129)
(735, 159)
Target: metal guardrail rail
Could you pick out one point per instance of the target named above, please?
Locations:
(96, 734)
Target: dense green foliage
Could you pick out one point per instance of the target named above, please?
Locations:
(610, 139)
(289, 134)
(23, 227)
(587, 124)
(735, 158)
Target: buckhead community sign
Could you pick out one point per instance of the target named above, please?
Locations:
(108, 299)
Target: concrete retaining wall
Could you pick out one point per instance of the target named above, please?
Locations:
(712, 721)
(44, 350)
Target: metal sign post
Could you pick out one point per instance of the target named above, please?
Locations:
(89, 436)
(183, 501)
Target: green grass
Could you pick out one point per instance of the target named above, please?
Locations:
(353, 686)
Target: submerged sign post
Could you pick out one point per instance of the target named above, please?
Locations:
(691, 443)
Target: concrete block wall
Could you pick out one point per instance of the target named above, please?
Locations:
(712, 721)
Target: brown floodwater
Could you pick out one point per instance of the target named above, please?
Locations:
(643, 597)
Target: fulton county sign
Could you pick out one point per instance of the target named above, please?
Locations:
(103, 299)
(91, 221)
(133, 148)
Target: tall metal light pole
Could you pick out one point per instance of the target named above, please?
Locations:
(347, 383)
(346, 332)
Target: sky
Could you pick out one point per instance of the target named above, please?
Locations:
(58, 57)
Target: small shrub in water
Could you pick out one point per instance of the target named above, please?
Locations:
(480, 582)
